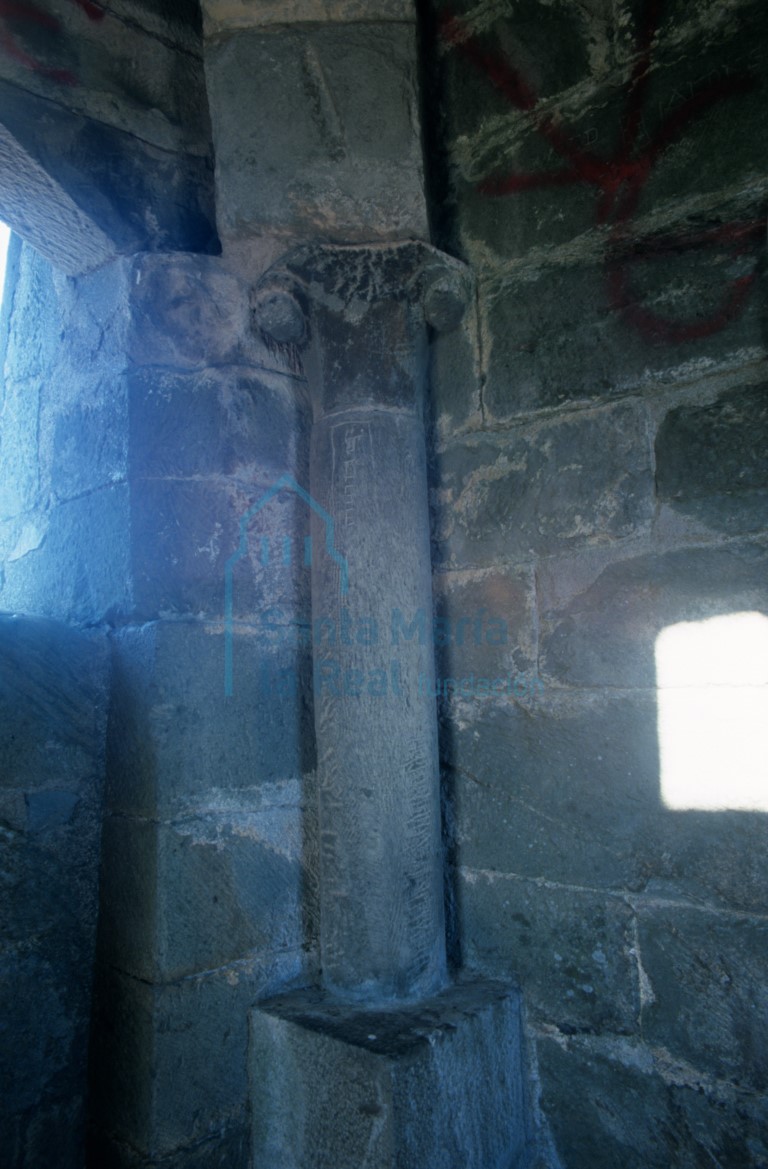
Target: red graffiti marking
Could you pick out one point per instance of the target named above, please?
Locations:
(92, 11)
(621, 177)
(15, 10)
(740, 238)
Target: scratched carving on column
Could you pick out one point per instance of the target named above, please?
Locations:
(620, 177)
(15, 12)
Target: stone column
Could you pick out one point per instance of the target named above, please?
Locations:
(360, 315)
(374, 1067)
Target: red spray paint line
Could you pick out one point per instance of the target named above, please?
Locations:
(31, 14)
(619, 178)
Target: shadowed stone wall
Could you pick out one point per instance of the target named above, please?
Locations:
(53, 688)
(208, 901)
(599, 474)
(105, 143)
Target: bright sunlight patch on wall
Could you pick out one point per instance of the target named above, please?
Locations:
(713, 713)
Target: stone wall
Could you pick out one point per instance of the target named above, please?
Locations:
(53, 688)
(208, 900)
(63, 491)
(105, 143)
(135, 458)
(599, 475)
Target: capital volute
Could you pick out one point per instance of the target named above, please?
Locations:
(351, 280)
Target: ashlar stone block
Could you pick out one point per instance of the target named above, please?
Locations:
(436, 1085)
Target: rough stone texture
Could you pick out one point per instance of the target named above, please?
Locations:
(223, 15)
(615, 1102)
(454, 383)
(598, 474)
(206, 446)
(572, 952)
(547, 351)
(180, 1089)
(567, 790)
(53, 685)
(179, 746)
(332, 1087)
(710, 460)
(46, 215)
(105, 113)
(63, 454)
(108, 446)
(136, 66)
(131, 457)
(602, 434)
(484, 630)
(235, 423)
(239, 873)
(582, 293)
(96, 584)
(708, 1005)
(189, 312)
(318, 157)
(185, 533)
(542, 488)
(606, 635)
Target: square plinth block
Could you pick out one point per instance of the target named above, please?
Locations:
(439, 1084)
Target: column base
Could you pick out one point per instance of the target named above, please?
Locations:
(435, 1085)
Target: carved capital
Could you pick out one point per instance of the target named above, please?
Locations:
(351, 279)
(356, 318)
